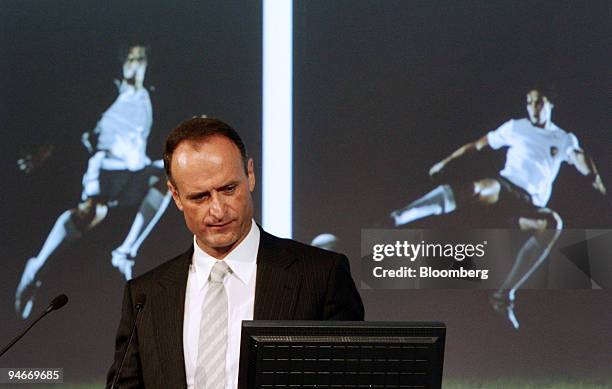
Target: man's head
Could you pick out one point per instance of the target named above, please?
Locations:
(135, 65)
(539, 108)
(211, 180)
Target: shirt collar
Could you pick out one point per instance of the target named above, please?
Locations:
(241, 260)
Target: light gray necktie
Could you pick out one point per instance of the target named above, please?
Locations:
(212, 347)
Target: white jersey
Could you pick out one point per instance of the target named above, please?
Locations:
(534, 155)
(124, 129)
(122, 134)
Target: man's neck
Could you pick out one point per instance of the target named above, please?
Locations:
(545, 126)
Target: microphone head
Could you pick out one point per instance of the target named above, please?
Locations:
(58, 302)
(141, 299)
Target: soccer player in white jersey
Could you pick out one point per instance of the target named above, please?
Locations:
(536, 149)
(119, 173)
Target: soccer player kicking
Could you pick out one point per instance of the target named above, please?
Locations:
(119, 173)
(536, 149)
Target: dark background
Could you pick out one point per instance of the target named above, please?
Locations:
(385, 89)
(382, 91)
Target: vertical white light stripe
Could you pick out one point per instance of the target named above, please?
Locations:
(277, 120)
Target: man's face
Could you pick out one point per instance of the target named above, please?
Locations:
(213, 191)
(538, 108)
(135, 64)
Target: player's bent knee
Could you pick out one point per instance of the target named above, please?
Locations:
(537, 224)
(88, 214)
(545, 220)
(99, 215)
(83, 215)
(487, 190)
(553, 219)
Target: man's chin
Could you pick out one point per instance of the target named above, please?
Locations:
(223, 240)
(219, 243)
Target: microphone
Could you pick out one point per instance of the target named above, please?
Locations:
(140, 302)
(55, 304)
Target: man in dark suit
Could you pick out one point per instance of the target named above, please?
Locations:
(264, 277)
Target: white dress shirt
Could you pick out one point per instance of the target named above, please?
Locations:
(240, 288)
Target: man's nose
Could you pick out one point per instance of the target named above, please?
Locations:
(217, 207)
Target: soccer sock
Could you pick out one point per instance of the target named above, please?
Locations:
(152, 208)
(63, 230)
(438, 201)
(528, 260)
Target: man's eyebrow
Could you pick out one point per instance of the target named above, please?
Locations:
(196, 195)
(226, 186)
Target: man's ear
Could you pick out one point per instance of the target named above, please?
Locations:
(175, 195)
(251, 175)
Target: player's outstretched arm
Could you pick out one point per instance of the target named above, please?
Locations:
(585, 165)
(86, 140)
(477, 145)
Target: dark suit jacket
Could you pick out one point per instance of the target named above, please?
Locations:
(293, 282)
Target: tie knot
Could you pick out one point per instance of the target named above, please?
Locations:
(219, 271)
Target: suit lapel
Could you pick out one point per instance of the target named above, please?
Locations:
(168, 315)
(278, 280)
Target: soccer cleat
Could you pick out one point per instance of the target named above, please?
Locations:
(123, 262)
(504, 305)
(26, 290)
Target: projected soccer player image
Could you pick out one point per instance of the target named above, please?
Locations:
(536, 148)
(119, 173)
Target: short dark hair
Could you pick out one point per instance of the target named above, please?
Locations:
(125, 50)
(198, 129)
(547, 90)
